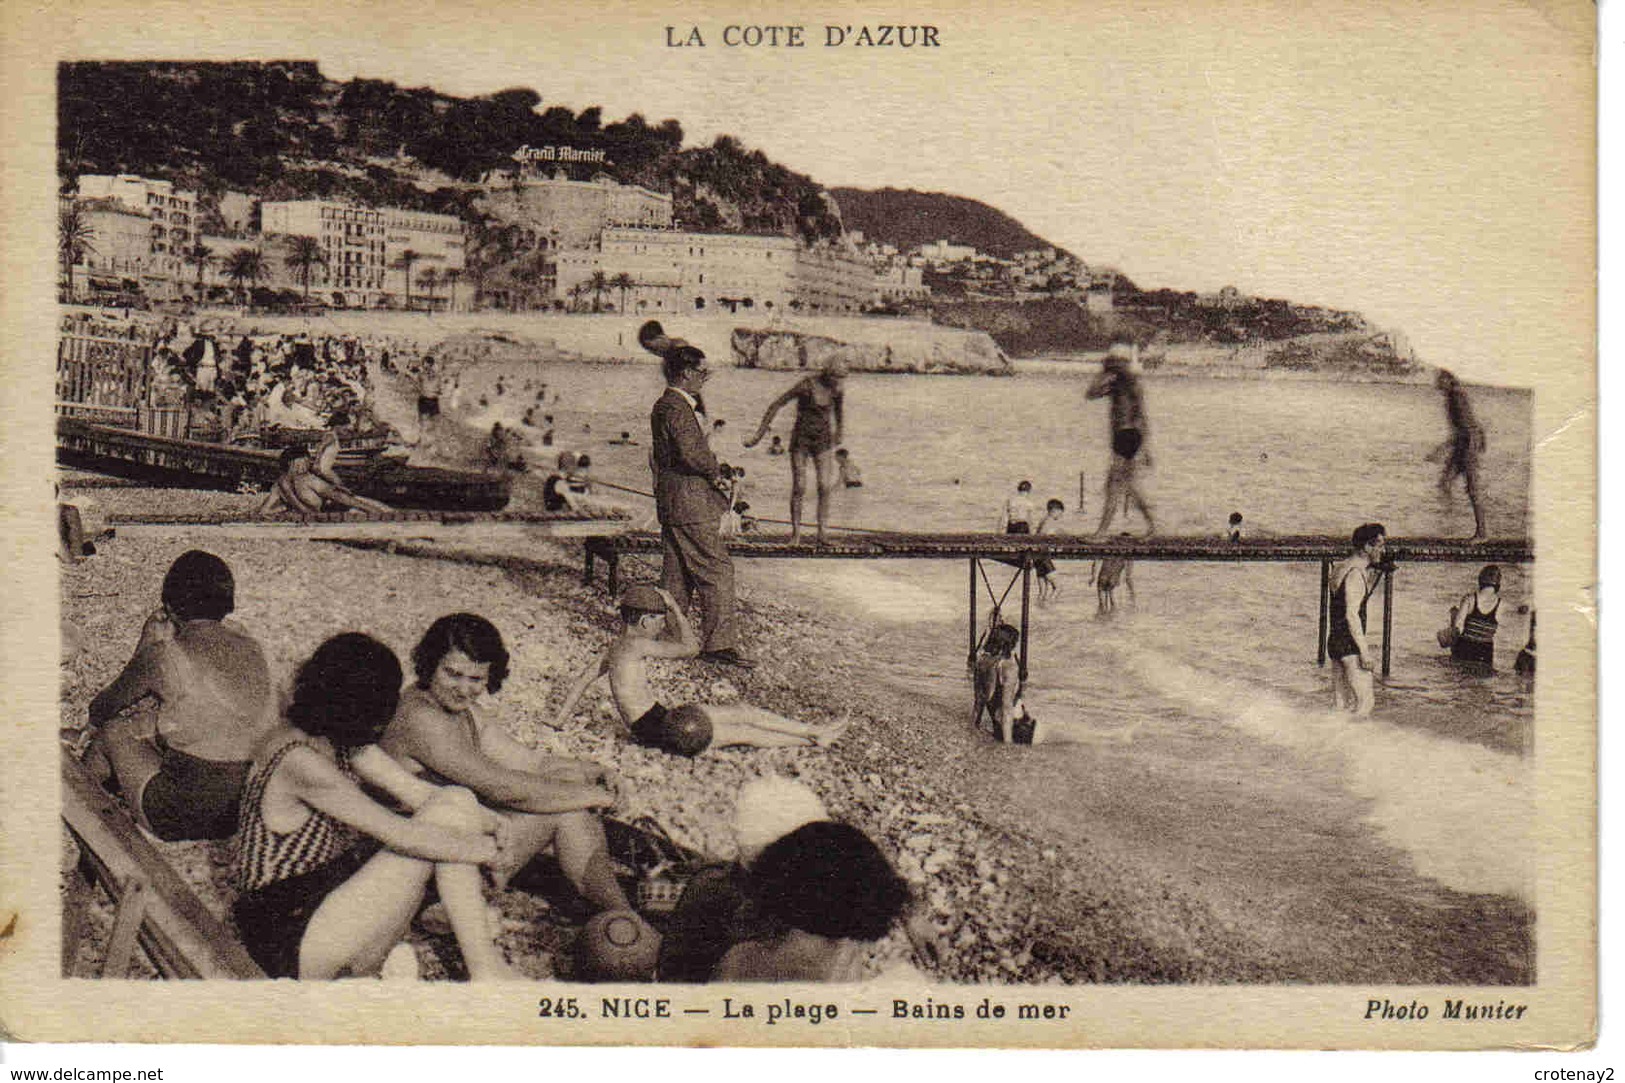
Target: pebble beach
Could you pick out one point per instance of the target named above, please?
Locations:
(1009, 906)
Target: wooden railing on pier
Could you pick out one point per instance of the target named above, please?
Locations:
(1022, 550)
(153, 907)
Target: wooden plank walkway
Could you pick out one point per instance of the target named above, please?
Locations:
(155, 908)
(398, 526)
(1022, 550)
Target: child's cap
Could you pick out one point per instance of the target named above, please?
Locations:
(644, 599)
(770, 808)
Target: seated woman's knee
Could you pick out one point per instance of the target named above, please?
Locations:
(452, 805)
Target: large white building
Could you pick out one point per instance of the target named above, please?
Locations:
(438, 245)
(172, 226)
(352, 240)
(677, 271)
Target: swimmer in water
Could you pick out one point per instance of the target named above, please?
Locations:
(686, 730)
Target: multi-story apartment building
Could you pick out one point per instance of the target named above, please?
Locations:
(118, 248)
(172, 222)
(676, 271)
(353, 244)
(437, 243)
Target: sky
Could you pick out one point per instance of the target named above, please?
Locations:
(1428, 165)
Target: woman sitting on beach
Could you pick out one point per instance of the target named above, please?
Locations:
(820, 408)
(329, 878)
(546, 801)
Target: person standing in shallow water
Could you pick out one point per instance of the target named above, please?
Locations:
(1463, 451)
(1352, 583)
(820, 416)
(1129, 430)
(1476, 623)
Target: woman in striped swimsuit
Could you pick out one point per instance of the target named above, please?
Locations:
(329, 878)
(1476, 622)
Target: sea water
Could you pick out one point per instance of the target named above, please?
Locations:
(1191, 726)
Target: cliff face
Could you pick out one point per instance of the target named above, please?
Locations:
(904, 348)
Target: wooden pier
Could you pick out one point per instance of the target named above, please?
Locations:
(1020, 551)
(356, 526)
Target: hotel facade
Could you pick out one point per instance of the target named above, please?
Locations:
(676, 271)
(172, 225)
(352, 240)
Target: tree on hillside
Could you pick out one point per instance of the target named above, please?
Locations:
(404, 262)
(245, 265)
(304, 256)
(200, 256)
(75, 237)
(623, 282)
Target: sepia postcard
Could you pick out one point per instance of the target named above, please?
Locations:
(801, 525)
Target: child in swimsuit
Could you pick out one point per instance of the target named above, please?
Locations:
(1107, 573)
(687, 730)
(1048, 578)
(330, 879)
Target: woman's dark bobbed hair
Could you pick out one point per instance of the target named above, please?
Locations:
(828, 878)
(347, 691)
(473, 635)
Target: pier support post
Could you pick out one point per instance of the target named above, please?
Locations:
(1026, 592)
(970, 655)
(1325, 606)
(1387, 619)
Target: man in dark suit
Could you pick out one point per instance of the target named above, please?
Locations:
(690, 498)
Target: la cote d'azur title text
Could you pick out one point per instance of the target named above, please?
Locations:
(751, 36)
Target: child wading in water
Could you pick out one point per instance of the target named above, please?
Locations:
(687, 730)
(1048, 578)
(1107, 573)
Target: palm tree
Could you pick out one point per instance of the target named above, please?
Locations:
(304, 256)
(598, 283)
(429, 279)
(245, 265)
(200, 256)
(623, 282)
(404, 262)
(74, 237)
(450, 276)
(578, 292)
